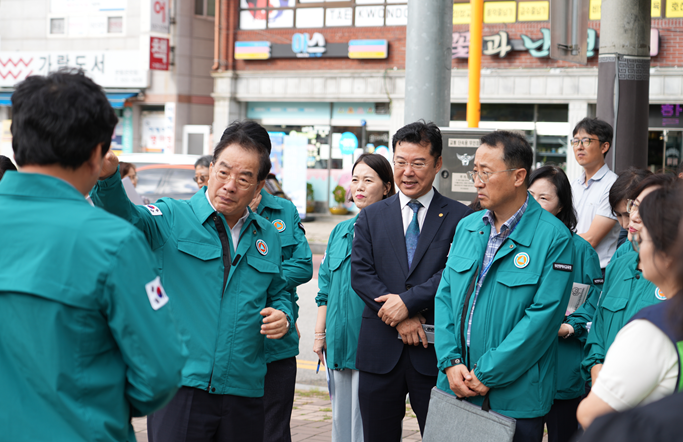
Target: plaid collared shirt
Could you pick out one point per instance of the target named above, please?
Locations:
(495, 241)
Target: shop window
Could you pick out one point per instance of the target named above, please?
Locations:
(57, 26)
(553, 113)
(507, 112)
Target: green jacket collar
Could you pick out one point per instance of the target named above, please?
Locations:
(268, 201)
(38, 185)
(525, 229)
(351, 225)
(631, 266)
(203, 210)
(200, 205)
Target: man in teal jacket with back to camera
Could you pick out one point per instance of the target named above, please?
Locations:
(87, 335)
(504, 292)
(223, 266)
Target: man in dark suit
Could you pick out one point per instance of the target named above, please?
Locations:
(399, 250)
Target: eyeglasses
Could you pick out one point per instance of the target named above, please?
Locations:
(418, 165)
(632, 206)
(636, 241)
(585, 141)
(200, 178)
(484, 177)
(224, 177)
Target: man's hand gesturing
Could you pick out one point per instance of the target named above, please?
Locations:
(109, 165)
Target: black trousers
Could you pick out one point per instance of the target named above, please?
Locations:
(529, 430)
(382, 399)
(561, 420)
(194, 415)
(279, 399)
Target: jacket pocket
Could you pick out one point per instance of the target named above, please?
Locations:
(335, 262)
(202, 251)
(614, 304)
(460, 264)
(262, 265)
(517, 279)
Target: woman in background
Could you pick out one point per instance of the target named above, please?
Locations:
(339, 307)
(550, 187)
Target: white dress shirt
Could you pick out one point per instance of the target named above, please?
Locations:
(237, 228)
(591, 199)
(407, 212)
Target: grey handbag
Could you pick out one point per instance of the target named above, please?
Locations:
(453, 419)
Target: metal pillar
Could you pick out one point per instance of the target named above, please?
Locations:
(624, 79)
(428, 61)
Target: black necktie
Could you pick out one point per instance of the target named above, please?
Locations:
(225, 242)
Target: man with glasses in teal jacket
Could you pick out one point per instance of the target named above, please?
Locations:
(223, 265)
(504, 292)
(88, 335)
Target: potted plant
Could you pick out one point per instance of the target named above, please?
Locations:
(310, 198)
(339, 194)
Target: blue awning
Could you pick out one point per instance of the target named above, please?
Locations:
(116, 100)
(5, 98)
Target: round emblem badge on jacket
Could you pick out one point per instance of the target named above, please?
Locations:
(279, 225)
(521, 260)
(262, 247)
(659, 295)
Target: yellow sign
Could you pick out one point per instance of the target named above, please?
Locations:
(500, 12)
(656, 8)
(674, 8)
(594, 9)
(461, 13)
(534, 11)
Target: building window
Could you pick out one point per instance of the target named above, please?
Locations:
(115, 25)
(206, 8)
(57, 26)
(269, 14)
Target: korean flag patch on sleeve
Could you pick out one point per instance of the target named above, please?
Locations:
(154, 210)
(156, 293)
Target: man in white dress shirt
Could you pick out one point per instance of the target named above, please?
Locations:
(596, 222)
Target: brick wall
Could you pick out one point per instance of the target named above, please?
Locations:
(670, 47)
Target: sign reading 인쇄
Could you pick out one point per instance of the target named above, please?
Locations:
(159, 53)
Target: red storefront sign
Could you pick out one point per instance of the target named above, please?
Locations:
(159, 53)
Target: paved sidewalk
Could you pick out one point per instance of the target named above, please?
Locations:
(311, 419)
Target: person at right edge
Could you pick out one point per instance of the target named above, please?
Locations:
(223, 266)
(504, 293)
(89, 337)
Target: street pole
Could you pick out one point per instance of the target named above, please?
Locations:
(428, 61)
(474, 62)
(624, 79)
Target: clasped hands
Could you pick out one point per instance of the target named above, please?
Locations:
(464, 383)
(395, 313)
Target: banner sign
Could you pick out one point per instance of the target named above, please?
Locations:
(159, 53)
(314, 45)
(106, 68)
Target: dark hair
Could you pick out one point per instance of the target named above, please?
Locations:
(657, 179)
(250, 136)
(422, 133)
(203, 161)
(564, 192)
(661, 212)
(475, 205)
(5, 165)
(60, 119)
(624, 185)
(124, 168)
(597, 127)
(381, 166)
(517, 153)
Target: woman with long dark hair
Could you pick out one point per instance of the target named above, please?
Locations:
(339, 308)
(550, 187)
(643, 362)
